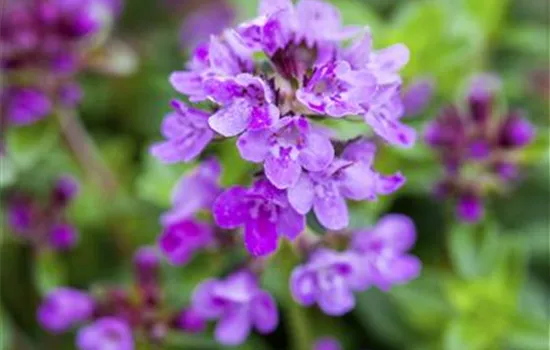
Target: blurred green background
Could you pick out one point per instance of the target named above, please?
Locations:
(483, 286)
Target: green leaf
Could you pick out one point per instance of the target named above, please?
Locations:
(29, 144)
(488, 14)
(50, 272)
(8, 171)
(157, 180)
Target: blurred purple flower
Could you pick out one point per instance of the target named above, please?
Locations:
(263, 210)
(417, 96)
(195, 191)
(63, 236)
(327, 343)
(476, 139)
(106, 333)
(292, 144)
(349, 177)
(65, 190)
(146, 266)
(328, 279)
(383, 250)
(25, 105)
(64, 308)
(239, 305)
(210, 19)
(180, 240)
(187, 132)
(189, 320)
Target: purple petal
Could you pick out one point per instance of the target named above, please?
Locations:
(264, 313)
(301, 195)
(319, 152)
(262, 117)
(397, 231)
(337, 302)
(417, 96)
(267, 7)
(203, 301)
(389, 184)
(282, 172)
(63, 236)
(361, 150)
(470, 208)
(290, 223)
(260, 235)
(230, 209)
(327, 344)
(391, 130)
(188, 83)
(254, 145)
(233, 119)
(403, 269)
(302, 286)
(359, 182)
(233, 328)
(331, 210)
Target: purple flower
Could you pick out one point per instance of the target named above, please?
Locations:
(349, 177)
(65, 190)
(470, 208)
(64, 308)
(20, 215)
(263, 210)
(209, 19)
(146, 265)
(187, 133)
(106, 333)
(417, 96)
(327, 343)
(247, 104)
(191, 321)
(383, 250)
(181, 239)
(383, 113)
(224, 56)
(238, 304)
(336, 90)
(292, 144)
(195, 191)
(25, 106)
(516, 131)
(328, 279)
(63, 236)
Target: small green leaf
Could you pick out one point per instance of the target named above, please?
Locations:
(29, 144)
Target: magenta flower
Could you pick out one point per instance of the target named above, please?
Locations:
(327, 343)
(334, 89)
(65, 190)
(64, 308)
(189, 320)
(383, 251)
(349, 177)
(263, 210)
(194, 192)
(246, 104)
(477, 148)
(25, 106)
(63, 236)
(224, 56)
(291, 145)
(106, 333)
(328, 279)
(181, 239)
(187, 133)
(238, 304)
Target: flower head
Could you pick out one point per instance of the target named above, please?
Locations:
(64, 308)
(239, 305)
(327, 343)
(383, 251)
(478, 149)
(106, 333)
(328, 279)
(263, 210)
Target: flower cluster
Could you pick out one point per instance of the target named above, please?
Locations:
(375, 257)
(44, 43)
(114, 316)
(44, 224)
(276, 107)
(478, 146)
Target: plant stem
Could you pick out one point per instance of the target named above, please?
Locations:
(84, 149)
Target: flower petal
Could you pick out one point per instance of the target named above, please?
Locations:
(230, 209)
(300, 196)
(331, 211)
(254, 145)
(282, 172)
(232, 119)
(233, 328)
(319, 152)
(260, 235)
(290, 223)
(264, 312)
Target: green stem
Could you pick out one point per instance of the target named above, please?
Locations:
(84, 149)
